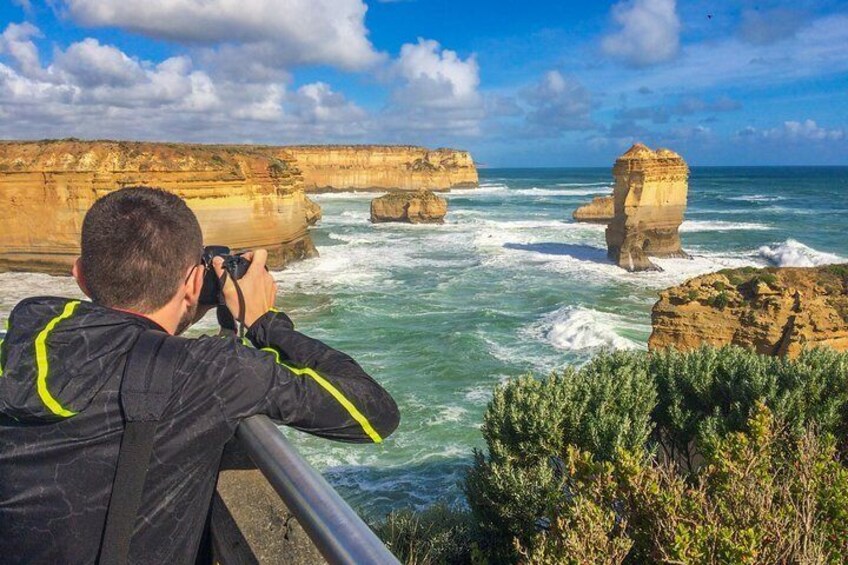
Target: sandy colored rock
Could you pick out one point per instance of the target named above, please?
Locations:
(650, 195)
(243, 198)
(382, 168)
(313, 212)
(774, 311)
(600, 210)
(422, 207)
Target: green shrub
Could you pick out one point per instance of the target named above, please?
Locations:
(439, 535)
(762, 496)
(720, 300)
(714, 391)
(529, 425)
(574, 453)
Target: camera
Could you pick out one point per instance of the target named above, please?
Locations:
(234, 264)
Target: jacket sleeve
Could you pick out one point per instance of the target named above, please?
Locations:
(303, 383)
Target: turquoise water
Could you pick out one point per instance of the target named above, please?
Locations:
(508, 285)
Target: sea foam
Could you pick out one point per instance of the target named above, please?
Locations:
(575, 328)
(793, 253)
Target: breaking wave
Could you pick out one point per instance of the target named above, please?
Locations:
(793, 253)
(575, 328)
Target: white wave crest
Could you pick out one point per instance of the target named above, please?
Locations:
(575, 328)
(536, 191)
(344, 195)
(756, 198)
(606, 184)
(793, 253)
(719, 225)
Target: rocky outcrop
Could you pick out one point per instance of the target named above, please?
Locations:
(775, 311)
(313, 212)
(649, 203)
(600, 210)
(244, 198)
(382, 168)
(422, 207)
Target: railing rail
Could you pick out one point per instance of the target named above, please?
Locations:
(337, 531)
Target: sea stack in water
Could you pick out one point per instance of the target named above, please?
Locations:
(770, 311)
(421, 207)
(649, 202)
(601, 210)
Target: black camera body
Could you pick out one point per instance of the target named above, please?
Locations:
(235, 266)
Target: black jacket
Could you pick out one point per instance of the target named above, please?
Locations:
(61, 423)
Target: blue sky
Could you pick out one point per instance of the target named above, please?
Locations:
(730, 82)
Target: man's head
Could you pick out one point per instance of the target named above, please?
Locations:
(140, 247)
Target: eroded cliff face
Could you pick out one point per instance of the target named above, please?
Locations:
(771, 311)
(651, 188)
(243, 198)
(382, 168)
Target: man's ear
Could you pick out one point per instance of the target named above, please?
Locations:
(194, 284)
(76, 271)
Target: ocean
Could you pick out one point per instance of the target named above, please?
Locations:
(509, 285)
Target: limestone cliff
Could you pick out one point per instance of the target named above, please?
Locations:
(600, 210)
(382, 168)
(421, 207)
(243, 197)
(775, 311)
(649, 202)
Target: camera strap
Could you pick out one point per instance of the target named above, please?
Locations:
(145, 390)
(241, 301)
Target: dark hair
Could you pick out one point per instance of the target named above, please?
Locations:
(137, 243)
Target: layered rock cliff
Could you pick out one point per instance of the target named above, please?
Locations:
(243, 197)
(649, 203)
(382, 168)
(771, 311)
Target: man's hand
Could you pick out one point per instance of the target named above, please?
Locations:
(257, 286)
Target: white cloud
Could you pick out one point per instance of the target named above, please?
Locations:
(807, 130)
(318, 103)
(96, 90)
(438, 90)
(649, 32)
(437, 77)
(91, 64)
(558, 104)
(817, 49)
(296, 31)
(16, 42)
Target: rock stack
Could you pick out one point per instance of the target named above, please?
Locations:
(649, 202)
(421, 207)
(601, 210)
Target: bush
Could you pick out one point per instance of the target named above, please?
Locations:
(666, 456)
(530, 424)
(436, 536)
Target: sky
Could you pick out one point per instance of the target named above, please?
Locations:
(519, 84)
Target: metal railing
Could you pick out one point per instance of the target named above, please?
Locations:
(336, 530)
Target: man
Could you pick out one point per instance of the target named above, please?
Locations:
(62, 360)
